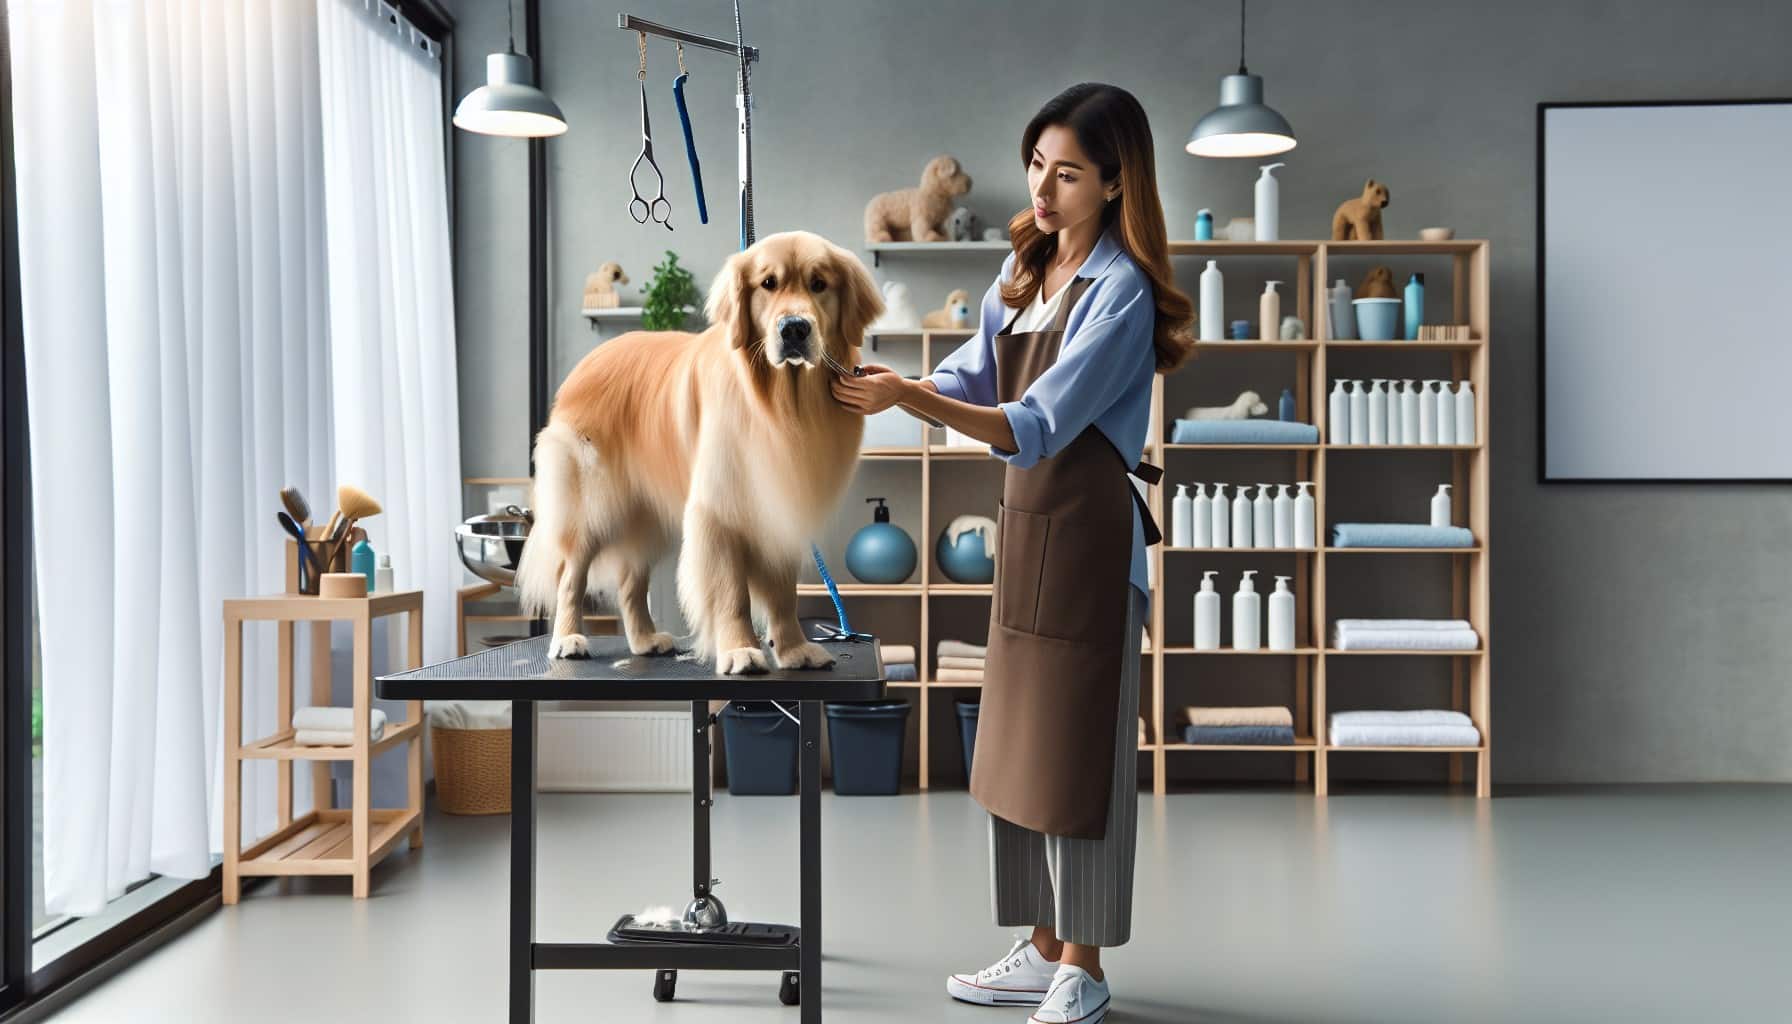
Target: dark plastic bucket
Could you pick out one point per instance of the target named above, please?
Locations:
(866, 738)
(762, 748)
(967, 732)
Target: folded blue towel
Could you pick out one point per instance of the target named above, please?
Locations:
(1243, 432)
(900, 673)
(1400, 535)
(1260, 734)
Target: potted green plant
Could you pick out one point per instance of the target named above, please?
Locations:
(670, 297)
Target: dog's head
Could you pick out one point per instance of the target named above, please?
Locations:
(612, 272)
(795, 299)
(1375, 193)
(943, 175)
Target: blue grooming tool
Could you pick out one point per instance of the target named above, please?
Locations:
(690, 144)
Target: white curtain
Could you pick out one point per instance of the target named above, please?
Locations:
(177, 314)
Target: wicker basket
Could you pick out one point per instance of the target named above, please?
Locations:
(472, 770)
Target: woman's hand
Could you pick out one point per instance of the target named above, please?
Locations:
(880, 388)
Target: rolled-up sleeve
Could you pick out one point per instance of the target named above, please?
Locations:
(1098, 362)
(968, 373)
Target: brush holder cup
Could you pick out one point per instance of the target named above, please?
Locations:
(304, 579)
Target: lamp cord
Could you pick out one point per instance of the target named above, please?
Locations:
(1241, 69)
(510, 12)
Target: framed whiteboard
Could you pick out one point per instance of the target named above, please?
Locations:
(1664, 271)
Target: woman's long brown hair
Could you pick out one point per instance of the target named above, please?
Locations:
(1112, 128)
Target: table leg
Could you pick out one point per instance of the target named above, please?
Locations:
(233, 765)
(809, 861)
(522, 861)
(700, 799)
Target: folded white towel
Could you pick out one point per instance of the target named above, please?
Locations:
(970, 663)
(333, 719)
(959, 649)
(1405, 736)
(1420, 716)
(333, 737)
(1403, 624)
(469, 714)
(897, 654)
(959, 675)
(1408, 640)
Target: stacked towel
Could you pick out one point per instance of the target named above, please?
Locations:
(1238, 735)
(1273, 716)
(1243, 432)
(900, 673)
(959, 662)
(897, 654)
(1405, 635)
(1400, 535)
(333, 727)
(960, 649)
(1423, 728)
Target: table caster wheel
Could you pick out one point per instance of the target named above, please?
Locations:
(790, 991)
(664, 984)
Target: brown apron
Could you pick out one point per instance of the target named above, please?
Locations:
(1046, 729)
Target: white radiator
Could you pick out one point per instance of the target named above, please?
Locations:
(615, 751)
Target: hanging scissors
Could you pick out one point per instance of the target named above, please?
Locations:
(659, 209)
(690, 144)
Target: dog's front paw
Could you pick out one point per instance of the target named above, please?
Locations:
(740, 661)
(803, 655)
(572, 645)
(653, 643)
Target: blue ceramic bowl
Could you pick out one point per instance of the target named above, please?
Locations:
(1377, 319)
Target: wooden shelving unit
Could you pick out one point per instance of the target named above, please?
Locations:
(1470, 672)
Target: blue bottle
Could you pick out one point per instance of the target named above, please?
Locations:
(1204, 225)
(881, 552)
(1287, 406)
(1414, 305)
(361, 560)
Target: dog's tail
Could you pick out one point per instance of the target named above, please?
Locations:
(555, 497)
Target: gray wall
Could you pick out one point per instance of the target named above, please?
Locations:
(1638, 630)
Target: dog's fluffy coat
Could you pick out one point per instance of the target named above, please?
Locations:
(730, 437)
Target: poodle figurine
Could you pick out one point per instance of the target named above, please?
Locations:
(916, 214)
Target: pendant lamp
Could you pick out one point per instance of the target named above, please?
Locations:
(1241, 125)
(508, 103)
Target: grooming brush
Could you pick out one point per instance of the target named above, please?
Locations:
(352, 504)
(296, 505)
(291, 525)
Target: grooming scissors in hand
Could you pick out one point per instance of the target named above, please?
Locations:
(659, 209)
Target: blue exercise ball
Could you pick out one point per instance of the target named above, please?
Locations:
(881, 552)
(968, 560)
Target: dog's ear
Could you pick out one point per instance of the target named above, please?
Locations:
(861, 302)
(731, 300)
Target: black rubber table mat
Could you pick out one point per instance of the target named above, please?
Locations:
(734, 933)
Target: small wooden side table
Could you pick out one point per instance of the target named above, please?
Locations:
(327, 840)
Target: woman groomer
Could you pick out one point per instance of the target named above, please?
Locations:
(1062, 393)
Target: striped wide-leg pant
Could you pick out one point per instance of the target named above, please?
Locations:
(1082, 888)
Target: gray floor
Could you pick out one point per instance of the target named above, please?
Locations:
(1633, 904)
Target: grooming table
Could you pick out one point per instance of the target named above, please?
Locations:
(523, 674)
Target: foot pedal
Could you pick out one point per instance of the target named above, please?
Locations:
(734, 933)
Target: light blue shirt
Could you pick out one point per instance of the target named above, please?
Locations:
(1103, 375)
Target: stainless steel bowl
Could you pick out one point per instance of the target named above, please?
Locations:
(491, 544)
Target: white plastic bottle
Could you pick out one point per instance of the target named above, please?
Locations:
(1303, 517)
(1409, 413)
(1247, 615)
(1338, 424)
(1393, 427)
(1427, 413)
(1241, 519)
(1378, 412)
(1465, 414)
(1207, 615)
(1263, 519)
(1284, 508)
(1359, 414)
(1269, 312)
(382, 577)
(1222, 517)
(1269, 204)
(1441, 513)
(1281, 616)
(1203, 509)
(1343, 314)
(1213, 303)
(1182, 518)
(1446, 414)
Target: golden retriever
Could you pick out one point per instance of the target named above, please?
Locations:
(731, 437)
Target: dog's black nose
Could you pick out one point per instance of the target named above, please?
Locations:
(793, 329)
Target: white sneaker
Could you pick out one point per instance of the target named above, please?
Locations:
(1073, 998)
(1020, 978)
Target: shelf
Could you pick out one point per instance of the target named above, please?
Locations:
(963, 451)
(903, 684)
(861, 589)
(890, 452)
(1220, 247)
(1331, 747)
(1301, 743)
(1240, 551)
(919, 333)
(1405, 247)
(1404, 551)
(961, 589)
(1434, 346)
(280, 746)
(1227, 650)
(879, 249)
(322, 843)
(621, 313)
(1402, 447)
(1305, 345)
(1330, 651)
(1174, 447)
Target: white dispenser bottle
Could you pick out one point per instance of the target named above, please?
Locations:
(1393, 427)
(1269, 205)
(1263, 519)
(1203, 508)
(1338, 424)
(1465, 414)
(1207, 615)
(1378, 412)
(1427, 413)
(1441, 513)
(1247, 615)
(1182, 518)
(1409, 413)
(1213, 303)
(1222, 517)
(1241, 519)
(1303, 517)
(1269, 312)
(1359, 414)
(1284, 508)
(1343, 314)
(1446, 414)
(1281, 617)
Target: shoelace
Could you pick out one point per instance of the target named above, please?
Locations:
(1009, 962)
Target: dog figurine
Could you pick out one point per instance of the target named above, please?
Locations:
(1360, 218)
(600, 287)
(956, 313)
(916, 214)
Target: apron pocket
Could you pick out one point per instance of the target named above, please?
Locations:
(1081, 598)
(1020, 547)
